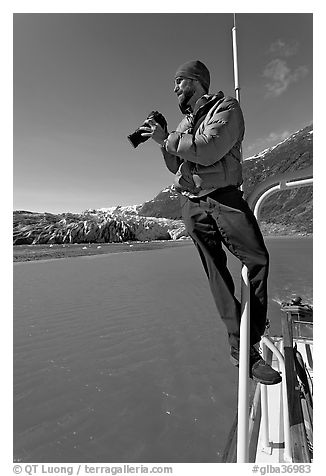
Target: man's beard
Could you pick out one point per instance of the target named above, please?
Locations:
(184, 99)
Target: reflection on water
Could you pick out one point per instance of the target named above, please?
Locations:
(122, 357)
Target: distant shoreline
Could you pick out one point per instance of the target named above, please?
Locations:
(46, 252)
(22, 253)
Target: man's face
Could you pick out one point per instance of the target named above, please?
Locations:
(184, 88)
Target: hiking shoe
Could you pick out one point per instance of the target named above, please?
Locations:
(259, 370)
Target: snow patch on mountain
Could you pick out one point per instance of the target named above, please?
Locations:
(118, 210)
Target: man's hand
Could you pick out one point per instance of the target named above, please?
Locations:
(153, 130)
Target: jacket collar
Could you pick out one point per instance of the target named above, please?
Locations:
(207, 100)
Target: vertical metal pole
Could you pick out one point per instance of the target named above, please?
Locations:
(243, 386)
(235, 60)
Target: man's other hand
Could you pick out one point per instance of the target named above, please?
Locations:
(153, 130)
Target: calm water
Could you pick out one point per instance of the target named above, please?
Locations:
(117, 359)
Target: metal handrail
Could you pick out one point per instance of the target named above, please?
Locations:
(299, 178)
(281, 182)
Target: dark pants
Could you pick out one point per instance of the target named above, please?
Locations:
(225, 218)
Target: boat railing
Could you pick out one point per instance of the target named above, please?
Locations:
(299, 178)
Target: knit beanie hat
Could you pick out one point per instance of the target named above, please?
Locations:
(195, 70)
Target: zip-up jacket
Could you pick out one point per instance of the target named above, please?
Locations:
(204, 151)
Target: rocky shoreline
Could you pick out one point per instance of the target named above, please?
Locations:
(48, 252)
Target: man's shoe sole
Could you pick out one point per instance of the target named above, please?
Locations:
(267, 382)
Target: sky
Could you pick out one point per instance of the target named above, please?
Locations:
(83, 81)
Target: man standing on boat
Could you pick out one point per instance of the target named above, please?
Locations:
(204, 154)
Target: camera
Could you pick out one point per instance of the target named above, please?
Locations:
(137, 138)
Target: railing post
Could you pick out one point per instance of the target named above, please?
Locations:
(264, 413)
(286, 422)
(243, 386)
